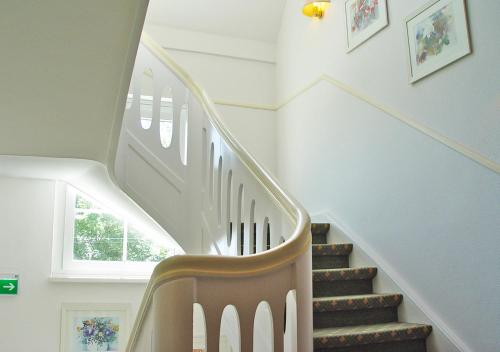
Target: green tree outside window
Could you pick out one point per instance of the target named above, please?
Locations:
(100, 236)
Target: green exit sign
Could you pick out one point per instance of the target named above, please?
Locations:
(9, 284)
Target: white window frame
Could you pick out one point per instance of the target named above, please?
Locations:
(64, 265)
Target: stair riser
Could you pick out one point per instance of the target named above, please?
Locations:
(319, 238)
(342, 288)
(330, 261)
(400, 346)
(355, 317)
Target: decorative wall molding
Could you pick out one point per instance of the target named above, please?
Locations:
(450, 143)
(437, 136)
(245, 105)
(228, 56)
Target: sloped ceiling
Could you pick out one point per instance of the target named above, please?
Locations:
(249, 19)
(64, 69)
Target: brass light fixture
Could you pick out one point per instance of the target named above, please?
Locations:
(315, 8)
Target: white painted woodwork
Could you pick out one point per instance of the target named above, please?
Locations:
(198, 196)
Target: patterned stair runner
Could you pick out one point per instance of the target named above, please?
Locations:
(348, 316)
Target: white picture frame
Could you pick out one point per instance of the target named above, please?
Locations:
(364, 18)
(437, 35)
(94, 327)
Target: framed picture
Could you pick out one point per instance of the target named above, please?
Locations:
(94, 327)
(437, 36)
(364, 18)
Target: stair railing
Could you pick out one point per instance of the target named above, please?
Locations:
(178, 161)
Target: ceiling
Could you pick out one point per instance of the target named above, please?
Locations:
(64, 81)
(249, 19)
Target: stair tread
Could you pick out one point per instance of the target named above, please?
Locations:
(344, 274)
(367, 334)
(320, 228)
(349, 306)
(332, 249)
(356, 302)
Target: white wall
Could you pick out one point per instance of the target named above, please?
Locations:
(430, 213)
(256, 130)
(205, 42)
(461, 101)
(233, 71)
(31, 320)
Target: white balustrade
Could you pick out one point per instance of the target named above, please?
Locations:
(178, 161)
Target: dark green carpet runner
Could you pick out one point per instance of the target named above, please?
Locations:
(348, 316)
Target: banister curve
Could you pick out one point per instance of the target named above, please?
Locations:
(190, 266)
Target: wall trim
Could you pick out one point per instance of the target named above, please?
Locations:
(450, 143)
(437, 136)
(245, 105)
(406, 289)
(95, 279)
(234, 57)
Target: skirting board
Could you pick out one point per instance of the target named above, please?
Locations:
(413, 308)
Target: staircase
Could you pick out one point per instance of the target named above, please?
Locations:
(348, 316)
(178, 161)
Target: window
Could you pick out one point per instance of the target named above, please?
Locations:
(97, 241)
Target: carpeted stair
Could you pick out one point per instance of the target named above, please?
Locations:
(348, 316)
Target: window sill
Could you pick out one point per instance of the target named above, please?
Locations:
(98, 279)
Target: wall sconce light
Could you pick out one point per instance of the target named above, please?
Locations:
(315, 8)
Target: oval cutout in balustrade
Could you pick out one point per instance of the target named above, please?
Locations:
(266, 235)
(147, 99)
(166, 117)
(240, 220)
(290, 327)
(219, 191)
(229, 191)
(242, 238)
(263, 335)
(230, 338)
(199, 328)
(204, 143)
(183, 133)
(253, 229)
(211, 175)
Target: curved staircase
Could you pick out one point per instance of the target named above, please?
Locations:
(197, 181)
(348, 316)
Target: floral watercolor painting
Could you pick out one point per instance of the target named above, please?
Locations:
(94, 327)
(364, 18)
(437, 36)
(363, 13)
(96, 333)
